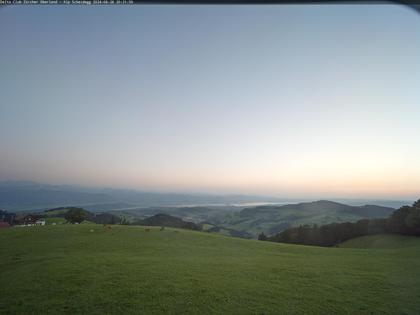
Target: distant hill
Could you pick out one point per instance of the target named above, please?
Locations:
(193, 214)
(274, 219)
(35, 196)
(18, 196)
(162, 219)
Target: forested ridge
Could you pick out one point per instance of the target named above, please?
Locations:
(404, 221)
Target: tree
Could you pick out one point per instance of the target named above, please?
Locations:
(417, 204)
(7, 217)
(262, 237)
(76, 215)
(405, 220)
(413, 218)
(124, 221)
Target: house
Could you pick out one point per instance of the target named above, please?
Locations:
(30, 220)
(4, 225)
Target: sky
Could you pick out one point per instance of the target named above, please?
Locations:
(292, 101)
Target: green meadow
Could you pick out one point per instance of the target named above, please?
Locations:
(89, 269)
(384, 241)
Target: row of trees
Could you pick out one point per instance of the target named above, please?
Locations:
(78, 215)
(405, 220)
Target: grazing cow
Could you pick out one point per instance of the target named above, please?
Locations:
(162, 228)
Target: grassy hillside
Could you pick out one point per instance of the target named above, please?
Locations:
(384, 241)
(125, 270)
(274, 219)
(193, 214)
(162, 219)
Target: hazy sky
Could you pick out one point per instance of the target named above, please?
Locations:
(280, 100)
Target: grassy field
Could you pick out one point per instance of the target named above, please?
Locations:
(383, 241)
(89, 269)
(51, 220)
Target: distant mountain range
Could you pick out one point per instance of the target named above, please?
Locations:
(226, 214)
(17, 196)
(234, 215)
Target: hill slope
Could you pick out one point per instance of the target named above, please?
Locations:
(125, 270)
(382, 241)
(162, 219)
(274, 219)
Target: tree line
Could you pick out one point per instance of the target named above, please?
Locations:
(405, 221)
(78, 215)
